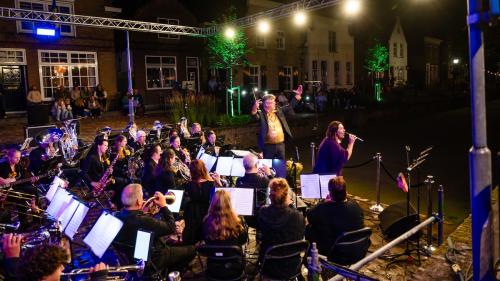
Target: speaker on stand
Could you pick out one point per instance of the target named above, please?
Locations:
(394, 221)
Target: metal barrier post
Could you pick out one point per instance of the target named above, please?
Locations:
(428, 183)
(440, 214)
(377, 208)
(313, 154)
(313, 265)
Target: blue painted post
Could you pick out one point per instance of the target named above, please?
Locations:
(129, 78)
(479, 154)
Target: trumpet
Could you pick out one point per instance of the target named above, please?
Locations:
(117, 269)
(149, 207)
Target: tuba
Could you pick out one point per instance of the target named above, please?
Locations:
(149, 207)
(69, 142)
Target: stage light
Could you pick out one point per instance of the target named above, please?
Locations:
(300, 18)
(456, 61)
(45, 31)
(264, 26)
(265, 92)
(229, 33)
(352, 7)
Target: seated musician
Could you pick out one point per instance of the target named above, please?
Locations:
(329, 219)
(152, 158)
(95, 164)
(197, 200)
(140, 140)
(164, 174)
(43, 262)
(122, 153)
(163, 256)
(253, 178)
(10, 172)
(131, 132)
(279, 223)
(181, 153)
(222, 226)
(210, 145)
(41, 154)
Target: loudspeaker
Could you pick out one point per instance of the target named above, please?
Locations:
(394, 221)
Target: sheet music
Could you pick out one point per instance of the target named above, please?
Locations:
(68, 212)
(323, 183)
(208, 160)
(309, 184)
(241, 199)
(76, 221)
(175, 208)
(224, 166)
(59, 202)
(103, 233)
(237, 170)
(240, 153)
(56, 183)
(200, 153)
(265, 162)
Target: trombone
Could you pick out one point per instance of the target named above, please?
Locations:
(16, 194)
(118, 269)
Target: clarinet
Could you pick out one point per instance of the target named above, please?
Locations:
(105, 177)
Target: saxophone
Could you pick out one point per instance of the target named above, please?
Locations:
(105, 179)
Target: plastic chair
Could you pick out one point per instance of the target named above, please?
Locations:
(224, 263)
(350, 246)
(285, 256)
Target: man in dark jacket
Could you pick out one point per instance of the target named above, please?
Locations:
(280, 223)
(274, 130)
(328, 220)
(163, 256)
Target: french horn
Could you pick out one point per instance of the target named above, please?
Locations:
(149, 207)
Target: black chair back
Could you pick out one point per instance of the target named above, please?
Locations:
(350, 246)
(283, 261)
(224, 263)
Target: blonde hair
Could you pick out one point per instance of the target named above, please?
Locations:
(221, 222)
(278, 191)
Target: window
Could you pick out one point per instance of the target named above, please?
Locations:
(332, 41)
(280, 40)
(260, 41)
(172, 22)
(161, 72)
(288, 79)
(66, 68)
(314, 70)
(336, 72)
(395, 49)
(348, 79)
(324, 67)
(39, 5)
(254, 76)
(12, 56)
(401, 52)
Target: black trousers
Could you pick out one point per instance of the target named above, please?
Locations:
(174, 257)
(277, 151)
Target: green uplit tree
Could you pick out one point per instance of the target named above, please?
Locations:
(377, 62)
(226, 52)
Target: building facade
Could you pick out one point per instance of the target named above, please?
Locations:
(80, 56)
(398, 55)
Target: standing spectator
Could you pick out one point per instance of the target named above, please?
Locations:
(102, 96)
(321, 101)
(139, 107)
(34, 96)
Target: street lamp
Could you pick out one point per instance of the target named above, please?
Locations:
(229, 33)
(263, 26)
(352, 7)
(300, 18)
(456, 61)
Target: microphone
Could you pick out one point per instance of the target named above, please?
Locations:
(360, 139)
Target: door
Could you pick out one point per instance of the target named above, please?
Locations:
(192, 71)
(12, 79)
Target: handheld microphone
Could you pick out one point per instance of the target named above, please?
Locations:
(358, 138)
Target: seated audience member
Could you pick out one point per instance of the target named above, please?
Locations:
(148, 179)
(69, 109)
(198, 192)
(44, 262)
(163, 256)
(329, 219)
(222, 226)
(279, 223)
(94, 106)
(164, 174)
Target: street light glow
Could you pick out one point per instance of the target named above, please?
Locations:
(255, 89)
(264, 26)
(352, 7)
(456, 61)
(229, 33)
(300, 18)
(266, 92)
(243, 93)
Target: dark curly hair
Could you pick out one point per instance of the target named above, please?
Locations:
(41, 261)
